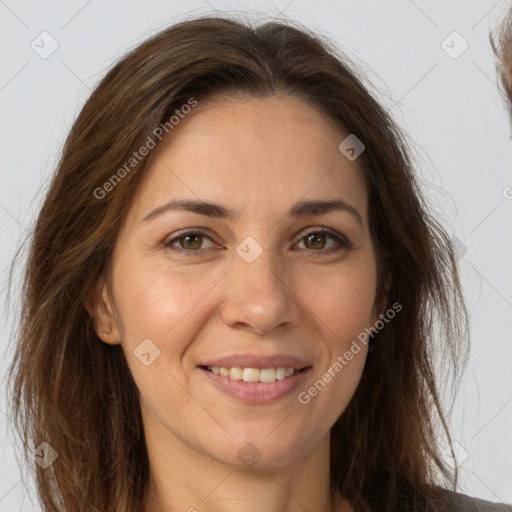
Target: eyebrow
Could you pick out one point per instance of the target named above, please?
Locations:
(299, 209)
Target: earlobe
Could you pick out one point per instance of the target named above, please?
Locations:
(101, 312)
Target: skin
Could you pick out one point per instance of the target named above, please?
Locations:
(289, 300)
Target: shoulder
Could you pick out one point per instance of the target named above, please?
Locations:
(459, 502)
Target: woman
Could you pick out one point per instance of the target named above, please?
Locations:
(232, 290)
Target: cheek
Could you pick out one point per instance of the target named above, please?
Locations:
(163, 305)
(342, 306)
(153, 299)
(343, 301)
(344, 316)
(170, 306)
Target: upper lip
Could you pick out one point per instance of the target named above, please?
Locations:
(257, 361)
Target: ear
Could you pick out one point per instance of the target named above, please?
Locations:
(99, 307)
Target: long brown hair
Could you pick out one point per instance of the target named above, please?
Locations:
(75, 392)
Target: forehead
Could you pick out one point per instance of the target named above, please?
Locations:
(266, 153)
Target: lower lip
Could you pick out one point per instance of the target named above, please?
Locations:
(257, 392)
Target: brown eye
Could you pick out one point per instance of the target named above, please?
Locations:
(190, 241)
(316, 240)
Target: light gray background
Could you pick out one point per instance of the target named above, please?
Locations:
(451, 109)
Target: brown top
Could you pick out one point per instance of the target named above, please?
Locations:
(468, 504)
(397, 498)
(454, 502)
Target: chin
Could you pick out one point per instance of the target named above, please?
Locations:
(257, 448)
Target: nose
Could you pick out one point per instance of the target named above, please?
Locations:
(259, 298)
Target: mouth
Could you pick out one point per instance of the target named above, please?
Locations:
(255, 385)
(255, 374)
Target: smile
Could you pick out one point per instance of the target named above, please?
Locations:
(253, 385)
(253, 374)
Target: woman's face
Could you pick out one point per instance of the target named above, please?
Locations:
(255, 282)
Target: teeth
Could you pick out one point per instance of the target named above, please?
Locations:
(235, 373)
(280, 373)
(253, 374)
(268, 375)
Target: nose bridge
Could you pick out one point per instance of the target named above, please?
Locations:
(259, 269)
(257, 292)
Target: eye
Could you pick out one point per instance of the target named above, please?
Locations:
(189, 242)
(316, 240)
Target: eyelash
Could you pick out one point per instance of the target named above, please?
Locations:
(341, 240)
